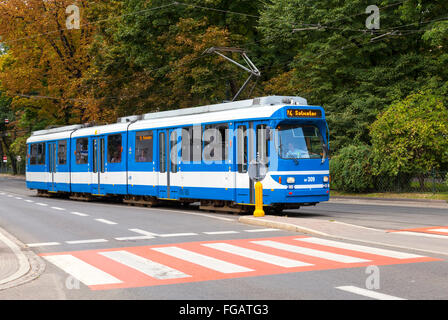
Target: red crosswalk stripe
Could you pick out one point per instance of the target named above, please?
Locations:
(443, 230)
(104, 269)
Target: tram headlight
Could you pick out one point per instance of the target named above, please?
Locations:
(326, 179)
(291, 180)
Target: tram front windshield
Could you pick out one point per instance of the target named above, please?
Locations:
(298, 141)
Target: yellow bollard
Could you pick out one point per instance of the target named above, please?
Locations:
(258, 200)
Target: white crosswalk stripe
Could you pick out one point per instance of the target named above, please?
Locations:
(146, 266)
(257, 255)
(444, 230)
(202, 260)
(310, 252)
(84, 272)
(359, 248)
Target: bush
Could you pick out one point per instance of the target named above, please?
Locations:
(351, 169)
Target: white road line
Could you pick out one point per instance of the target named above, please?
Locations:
(86, 241)
(43, 244)
(146, 266)
(18, 198)
(143, 232)
(421, 234)
(359, 248)
(57, 208)
(10, 196)
(134, 238)
(79, 214)
(42, 204)
(221, 232)
(310, 252)
(257, 255)
(29, 201)
(168, 235)
(368, 293)
(105, 221)
(202, 260)
(84, 272)
(203, 215)
(262, 230)
(439, 230)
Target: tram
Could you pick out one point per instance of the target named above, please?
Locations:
(202, 154)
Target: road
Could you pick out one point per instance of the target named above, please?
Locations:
(99, 250)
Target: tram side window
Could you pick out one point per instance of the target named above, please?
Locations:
(62, 152)
(262, 143)
(144, 146)
(191, 144)
(114, 148)
(37, 154)
(216, 142)
(82, 151)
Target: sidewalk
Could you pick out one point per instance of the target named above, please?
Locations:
(344, 231)
(18, 265)
(420, 203)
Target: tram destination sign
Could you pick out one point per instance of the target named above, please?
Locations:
(303, 113)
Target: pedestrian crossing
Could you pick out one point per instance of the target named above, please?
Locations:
(105, 269)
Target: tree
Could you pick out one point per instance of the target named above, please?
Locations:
(411, 136)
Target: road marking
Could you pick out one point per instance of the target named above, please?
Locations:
(355, 247)
(146, 266)
(220, 232)
(18, 198)
(84, 272)
(262, 230)
(29, 201)
(105, 221)
(421, 234)
(143, 232)
(368, 293)
(42, 204)
(79, 214)
(439, 230)
(10, 196)
(257, 255)
(202, 260)
(310, 252)
(57, 208)
(43, 244)
(134, 238)
(168, 235)
(86, 241)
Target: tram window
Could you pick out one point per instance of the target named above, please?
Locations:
(242, 149)
(217, 135)
(262, 143)
(173, 150)
(144, 143)
(162, 152)
(114, 148)
(62, 152)
(37, 154)
(82, 151)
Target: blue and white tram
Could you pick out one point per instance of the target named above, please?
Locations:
(189, 155)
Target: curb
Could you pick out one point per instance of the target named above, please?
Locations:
(31, 266)
(389, 199)
(280, 225)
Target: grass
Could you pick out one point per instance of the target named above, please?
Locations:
(395, 195)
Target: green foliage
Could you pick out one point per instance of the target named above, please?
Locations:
(411, 136)
(351, 169)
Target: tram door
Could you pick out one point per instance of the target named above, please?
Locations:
(52, 158)
(245, 190)
(98, 165)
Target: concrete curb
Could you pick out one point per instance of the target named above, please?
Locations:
(31, 266)
(389, 199)
(280, 225)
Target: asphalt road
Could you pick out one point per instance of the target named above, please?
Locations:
(92, 249)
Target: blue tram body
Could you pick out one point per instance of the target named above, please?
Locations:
(166, 155)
